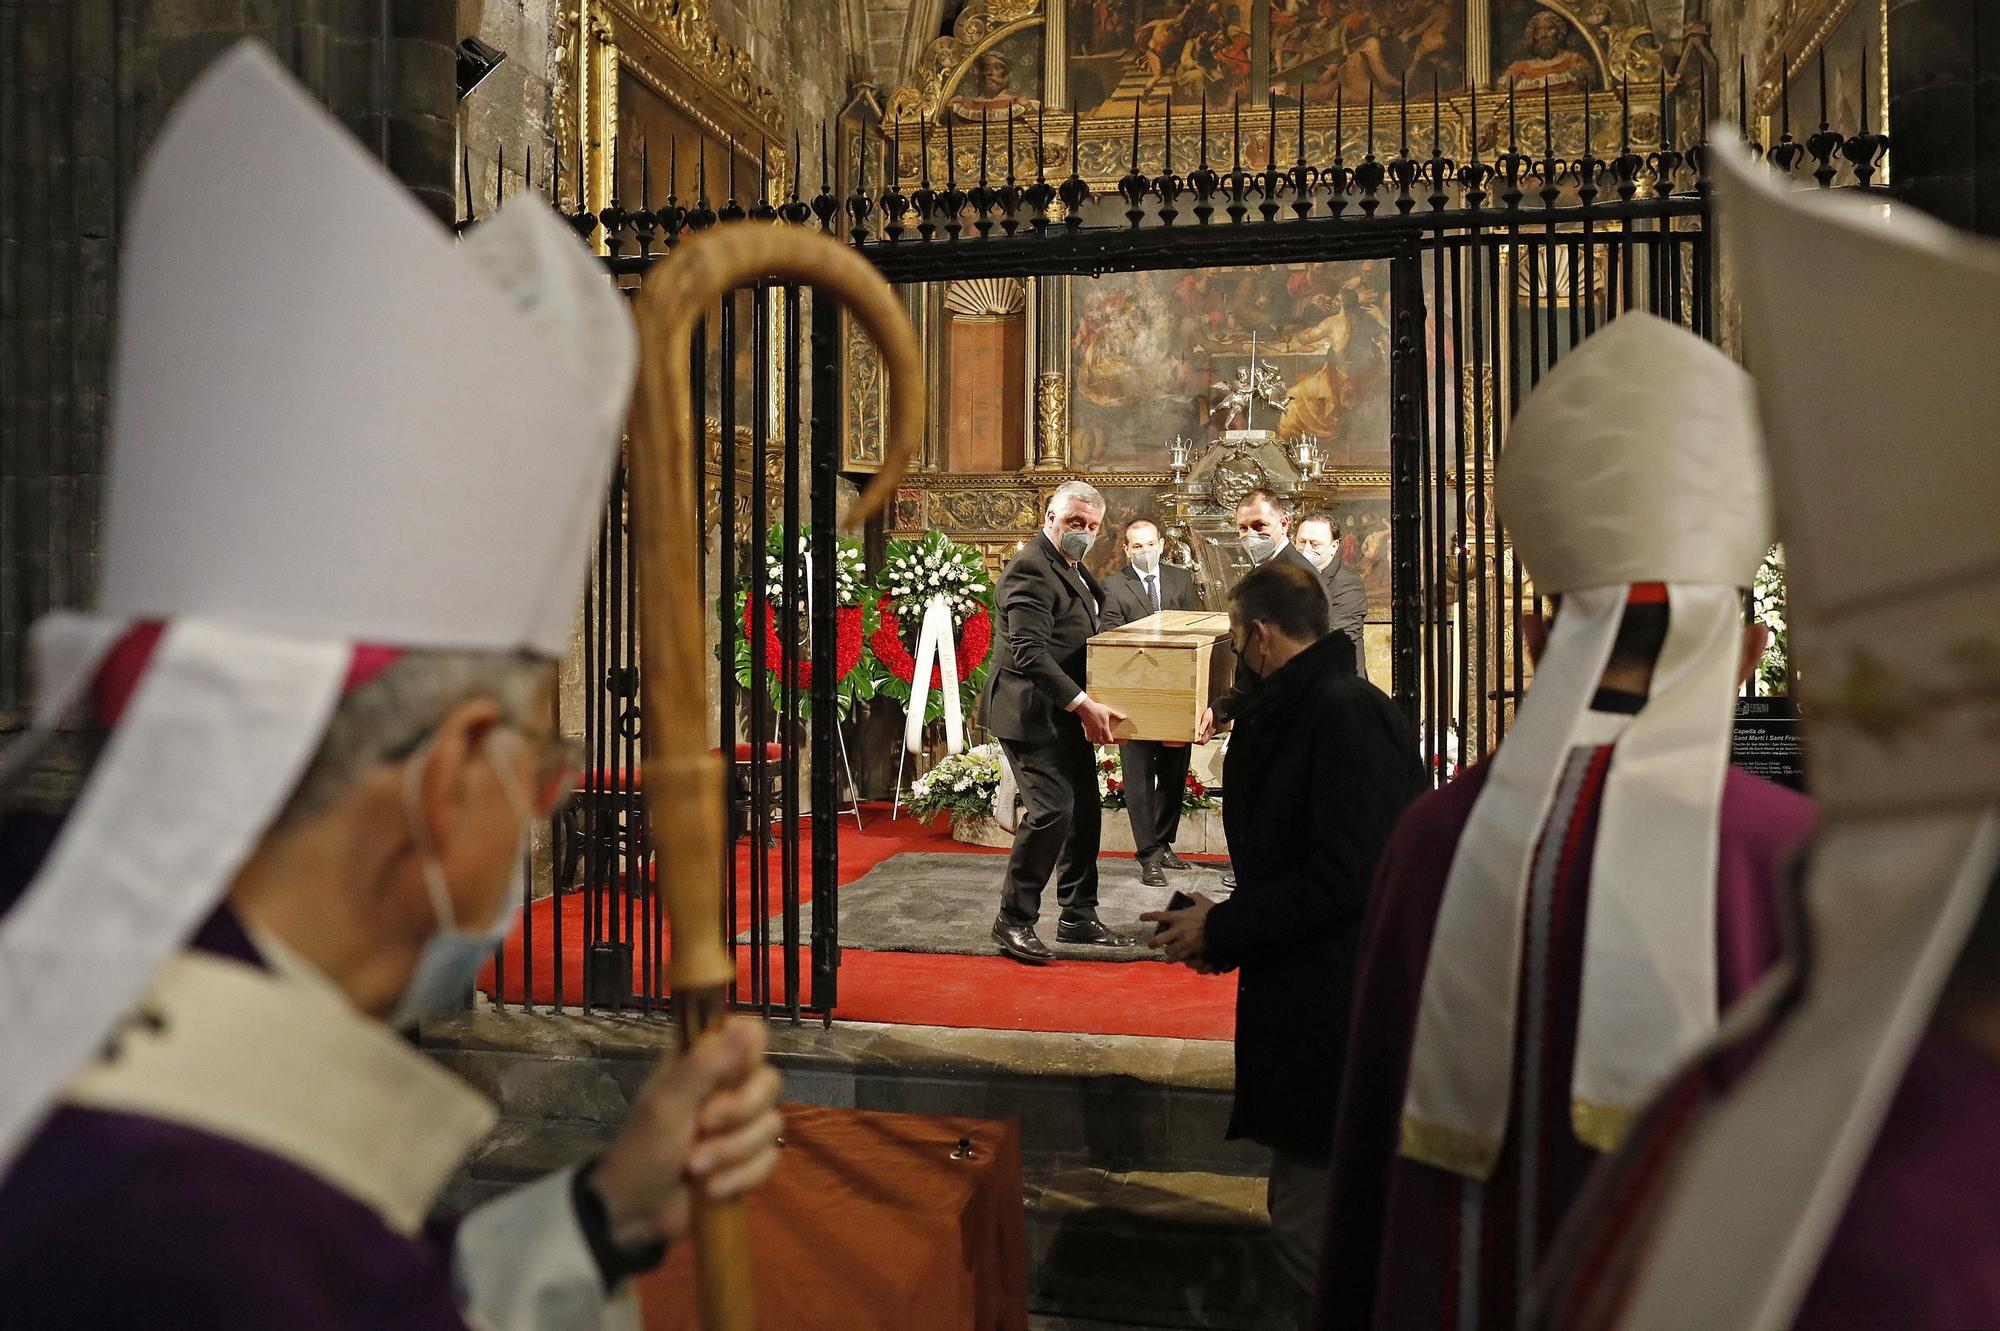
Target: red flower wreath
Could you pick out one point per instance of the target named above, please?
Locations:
(975, 640)
(847, 636)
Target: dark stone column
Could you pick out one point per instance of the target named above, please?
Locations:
(1944, 109)
(84, 87)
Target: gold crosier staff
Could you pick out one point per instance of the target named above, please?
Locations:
(683, 778)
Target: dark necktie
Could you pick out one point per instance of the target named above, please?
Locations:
(1153, 591)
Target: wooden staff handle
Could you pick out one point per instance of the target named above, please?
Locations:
(683, 780)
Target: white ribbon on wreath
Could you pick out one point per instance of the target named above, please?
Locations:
(935, 643)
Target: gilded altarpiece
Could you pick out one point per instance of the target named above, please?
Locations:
(1117, 366)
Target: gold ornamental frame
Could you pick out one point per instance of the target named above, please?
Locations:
(674, 48)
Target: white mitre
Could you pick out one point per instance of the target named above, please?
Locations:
(1875, 377)
(1635, 461)
(332, 425)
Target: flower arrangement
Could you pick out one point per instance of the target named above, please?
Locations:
(1767, 596)
(961, 784)
(854, 677)
(1111, 784)
(912, 573)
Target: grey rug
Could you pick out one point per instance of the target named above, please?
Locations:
(918, 902)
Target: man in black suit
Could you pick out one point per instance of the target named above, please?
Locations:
(1346, 595)
(1263, 524)
(1049, 606)
(1155, 773)
(1314, 740)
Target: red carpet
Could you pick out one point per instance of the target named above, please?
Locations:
(925, 989)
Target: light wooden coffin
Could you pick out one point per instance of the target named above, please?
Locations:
(1162, 671)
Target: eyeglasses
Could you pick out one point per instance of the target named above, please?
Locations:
(558, 764)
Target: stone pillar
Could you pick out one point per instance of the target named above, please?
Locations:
(1944, 109)
(60, 150)
(84, 87)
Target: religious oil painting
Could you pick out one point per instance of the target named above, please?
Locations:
(1345, 48)
(1123, 52)
(1151, 348)
(1536, 47)
(1003, 82)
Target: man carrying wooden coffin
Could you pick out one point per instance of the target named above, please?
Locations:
(1155, 771)
(1046, 723)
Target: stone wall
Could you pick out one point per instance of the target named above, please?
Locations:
(84, 87)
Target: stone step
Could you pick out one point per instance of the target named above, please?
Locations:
(1118, 1103)
(1137, 1248)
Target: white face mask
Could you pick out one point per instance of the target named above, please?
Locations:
(1146, 559)
(1260, 546)
(1076, 544)
(1320, 558)
(452, 956)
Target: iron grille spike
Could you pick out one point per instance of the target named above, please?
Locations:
(1133, 187)
(1628, 164)
(761, 210)
(1474, 175)
(1008, 196)
(1402, 168)
(894, 202)
(1552, 166)
(951, 198)
(1168, 185)
(673, 217)
(1239, 179)
(1589, 166)
(1368, 177)
(982, 196)
(645, 219)
(857, 202)
(1337, 177)
(1075, 191)
(1439, 168)
(1825, 142)
(825, 204)
(1515, 165)
(796, 210)
(1666, 163)
(1271, 181)
(1303, 177)
(1202, 182)
(1864, 151)
(1785, 154)
(731, 210)
(613, 216)
(923, 199)
(1040, 194)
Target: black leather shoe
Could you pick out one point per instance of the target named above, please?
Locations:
(1152, 873)
(1169, 860)
(1092, 931)
(1020, 943)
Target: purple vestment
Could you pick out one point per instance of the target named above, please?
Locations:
(1411, 1245)
(120, 1220)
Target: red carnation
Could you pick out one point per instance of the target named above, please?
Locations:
(975, 640)
(847, 624)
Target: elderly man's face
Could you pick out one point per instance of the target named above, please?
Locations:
(1260, 518)
(992, 75)
(1070, 514)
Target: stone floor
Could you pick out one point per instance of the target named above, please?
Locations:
(1140, 1215)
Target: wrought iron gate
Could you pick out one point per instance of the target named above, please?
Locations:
(1501, 260)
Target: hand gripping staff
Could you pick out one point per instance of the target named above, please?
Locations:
(683, 779)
